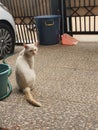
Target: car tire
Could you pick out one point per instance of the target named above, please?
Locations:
(7, 40)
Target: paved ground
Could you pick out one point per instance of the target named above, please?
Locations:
(66, 85)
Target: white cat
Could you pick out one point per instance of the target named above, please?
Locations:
(25, 75)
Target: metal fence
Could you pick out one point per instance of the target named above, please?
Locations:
(23, 12)
(80, 16)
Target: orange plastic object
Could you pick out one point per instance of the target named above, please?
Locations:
(68, 40)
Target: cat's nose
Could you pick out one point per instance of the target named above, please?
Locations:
(35, 51)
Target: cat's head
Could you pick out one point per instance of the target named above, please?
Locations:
(31, 49)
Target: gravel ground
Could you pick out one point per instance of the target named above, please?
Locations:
(66, 85)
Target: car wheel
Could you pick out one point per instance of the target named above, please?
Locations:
(7, 40)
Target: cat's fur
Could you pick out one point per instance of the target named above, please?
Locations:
(25, 75)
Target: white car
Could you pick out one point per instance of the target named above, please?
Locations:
(7, 32)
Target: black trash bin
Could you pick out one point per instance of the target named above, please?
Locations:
(49, 29)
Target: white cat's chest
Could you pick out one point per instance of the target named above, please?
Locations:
(26, 67)
(30, 71)
(30, 62)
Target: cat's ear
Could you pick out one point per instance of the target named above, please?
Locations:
(36, 43)
(25, 45)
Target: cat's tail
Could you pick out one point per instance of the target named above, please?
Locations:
(30, 98)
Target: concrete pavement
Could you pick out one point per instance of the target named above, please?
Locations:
(66, 85)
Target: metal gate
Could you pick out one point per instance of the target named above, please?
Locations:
(23, 12)
(79, 16)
